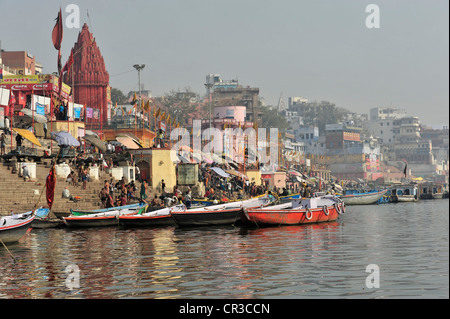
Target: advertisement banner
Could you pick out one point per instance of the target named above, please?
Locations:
(89, 112)
(77, 112)
(40, 109)
(65, 93)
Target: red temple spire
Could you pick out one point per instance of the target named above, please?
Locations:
(89, 77)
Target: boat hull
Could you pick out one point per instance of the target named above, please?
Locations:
(123, 209)
(222, 214)
(204, 218)
(403, 199)
(363, 198)
(46, 223)
(146, 221)
(267, 217)
(13, 230)
(101, 221)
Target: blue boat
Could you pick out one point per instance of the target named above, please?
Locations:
(356, 197)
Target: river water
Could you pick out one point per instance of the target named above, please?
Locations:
(405, 246)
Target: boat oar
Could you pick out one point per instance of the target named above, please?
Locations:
(14, 259)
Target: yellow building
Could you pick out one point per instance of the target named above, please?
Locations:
(156, 165)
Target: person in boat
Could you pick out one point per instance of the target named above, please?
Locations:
(285, 192)
(271, 197)
(215, 201)
(307, 192)
(187, 198)
(155, 201)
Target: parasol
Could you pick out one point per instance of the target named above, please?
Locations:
(295, 173)
(65, 138)
(37, 117)
(96, 142)
(128, 142)
(27, 135)
(236, 173)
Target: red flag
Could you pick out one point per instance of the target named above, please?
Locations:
(50, 184)
(57, 33)
(57, 36)
(64, 69)
(12, 99)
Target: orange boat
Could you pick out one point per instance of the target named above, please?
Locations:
(306, 211)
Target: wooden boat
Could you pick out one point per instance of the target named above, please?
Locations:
(362, 198)
(404, 193)
(107, 218)
(222, 214)
(130, 208)
(305, 211)
(431, 191)
(42, 220)
(158, 217)
(14, 227)
(289, 197)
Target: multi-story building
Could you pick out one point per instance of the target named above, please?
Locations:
(294, 101)
(21, 62)
(382, 122)
(382, 113)
(239, 96)
(350, 156)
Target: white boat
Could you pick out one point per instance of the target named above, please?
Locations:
(106, 218)
(14, 227)
(362, 198)
(158, 217)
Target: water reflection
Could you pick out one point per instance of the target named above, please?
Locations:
(408, 242)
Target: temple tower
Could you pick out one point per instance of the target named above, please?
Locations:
(88, 76)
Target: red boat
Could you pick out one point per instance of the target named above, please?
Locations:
(311, 210)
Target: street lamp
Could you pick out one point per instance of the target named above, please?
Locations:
(209, 86)
(139, 67)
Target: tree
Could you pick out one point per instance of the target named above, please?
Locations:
(271, 119)
(181, 104)
(321, 113)
(117, 96)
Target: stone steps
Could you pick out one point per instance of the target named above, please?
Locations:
(20, 196)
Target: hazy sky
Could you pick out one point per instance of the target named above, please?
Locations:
(318, 49)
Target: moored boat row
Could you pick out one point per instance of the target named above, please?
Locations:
(256, 211)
